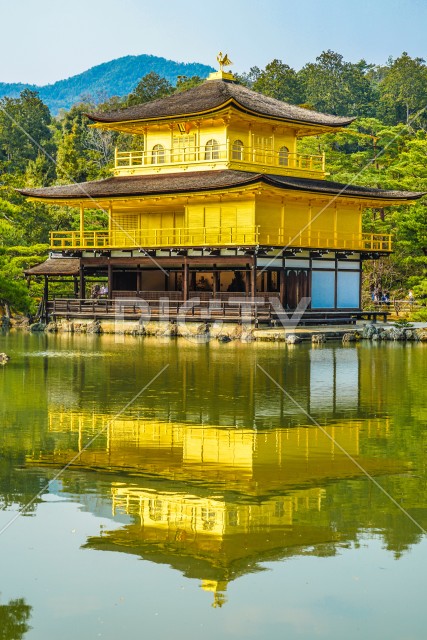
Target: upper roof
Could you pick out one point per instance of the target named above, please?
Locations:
(213, 95)
(126, 186)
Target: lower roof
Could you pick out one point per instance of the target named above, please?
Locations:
(55, 267)
(182, 183)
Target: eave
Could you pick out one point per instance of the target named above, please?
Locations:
(216, 183)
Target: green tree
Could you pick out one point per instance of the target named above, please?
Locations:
(184, 82)
(24, 131)
(403, 91)
(279, 81)
(150, 87)
(248, 79)
(84, 153)
(332, 85)
(14, 293)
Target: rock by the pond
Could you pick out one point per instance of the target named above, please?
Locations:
(318, 338)
(224, 338)
(369, 330)
(349, 337)
(169, 331)
(94, 327)
(4, 358)
(203, 328)
(5, 323)
(52, 327)
(293, 339)
(396, 333)
(37, 326)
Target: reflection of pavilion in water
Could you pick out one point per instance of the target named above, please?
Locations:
(214, 502)
(219, 485)
(223, 387)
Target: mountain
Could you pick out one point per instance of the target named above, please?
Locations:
(115, 78)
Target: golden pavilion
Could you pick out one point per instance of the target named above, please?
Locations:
(218, 203)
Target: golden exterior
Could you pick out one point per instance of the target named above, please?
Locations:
(229, 139)
(248, 216)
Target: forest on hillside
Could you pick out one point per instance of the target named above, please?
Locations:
(385, 147)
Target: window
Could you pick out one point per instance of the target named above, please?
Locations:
(348, 289)
(158, 154)
(237, 150)
(283, 156)
(212, 150)
(322, 289)
(184, 148)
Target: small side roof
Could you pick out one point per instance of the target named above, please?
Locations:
(213, 95)
(55, 267)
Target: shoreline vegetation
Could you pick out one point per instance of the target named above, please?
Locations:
(386, 147)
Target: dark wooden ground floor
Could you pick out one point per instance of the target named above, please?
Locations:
(265, 289)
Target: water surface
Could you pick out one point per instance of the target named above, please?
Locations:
(215, 504)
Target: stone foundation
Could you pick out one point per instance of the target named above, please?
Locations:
(227, 332)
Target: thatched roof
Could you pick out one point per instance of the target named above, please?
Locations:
(182, 183)
(55, 267)
(213, 95)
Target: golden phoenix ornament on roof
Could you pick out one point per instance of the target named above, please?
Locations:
(223, 60)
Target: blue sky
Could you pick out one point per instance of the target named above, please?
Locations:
(48, 40)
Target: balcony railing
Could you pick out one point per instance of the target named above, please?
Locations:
(218, 237)
(156, 159)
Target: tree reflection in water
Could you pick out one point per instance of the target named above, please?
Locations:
(14, 618)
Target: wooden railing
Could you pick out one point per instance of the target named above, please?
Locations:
(125, 160)
(218, 237)
(242, 309)
(156, 238)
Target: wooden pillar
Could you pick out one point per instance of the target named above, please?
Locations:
(282, 286)
(45, 296)
(82, 285)
(216, 282)
(269, 285)
(247, 282)
(253, 278)
(76, 287)
(82, 224)
(110, 279)
(185, 281)
(167, 279)
(193, 277)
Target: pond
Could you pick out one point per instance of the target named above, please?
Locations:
(154, 488)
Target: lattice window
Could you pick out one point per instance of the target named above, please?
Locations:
(158, 154)
(212, 150)
(283, 156)
(237, 150)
